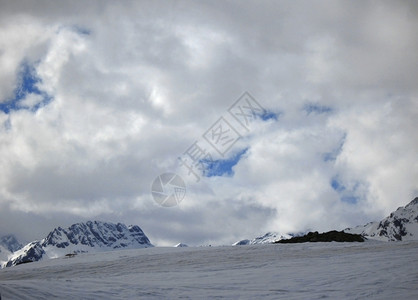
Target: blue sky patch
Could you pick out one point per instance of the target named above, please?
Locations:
(337, 185)
(27, 83)
(346, 195)
(312, 108)
(222, 167)
(81, 30)
(269, 115)
(349, 199)
(333, 154)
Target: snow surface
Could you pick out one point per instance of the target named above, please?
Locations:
(372, 270)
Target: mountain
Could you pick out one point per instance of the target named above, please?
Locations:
(268, 238)
(400, 225)
(82, 237)
(29, 253)
(10, 243)
(97, 234)
(181, 245)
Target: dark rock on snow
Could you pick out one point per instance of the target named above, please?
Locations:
(330, 236)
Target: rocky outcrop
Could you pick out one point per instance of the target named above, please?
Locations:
(330, 236)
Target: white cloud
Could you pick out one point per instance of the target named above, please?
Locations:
(21, 37)
(134, 85)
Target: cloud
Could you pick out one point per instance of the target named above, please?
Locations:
(131, 86)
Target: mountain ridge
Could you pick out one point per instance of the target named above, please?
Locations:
(90, 236)
(400, 225)
(268, 238)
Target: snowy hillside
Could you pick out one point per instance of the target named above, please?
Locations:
(81, 237)
(368, 270)
(401, 225)
(268, 238)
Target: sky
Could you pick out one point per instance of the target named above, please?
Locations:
(281, 116)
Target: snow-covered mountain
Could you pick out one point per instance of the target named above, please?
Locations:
(181, 245)
(10, 242)
(268, 238)
(81, 237)
(401, 225)
(29, 253)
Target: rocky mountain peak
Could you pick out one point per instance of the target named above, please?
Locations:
(82, 237)
(400, 225)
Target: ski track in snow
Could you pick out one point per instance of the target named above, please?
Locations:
(372, 270)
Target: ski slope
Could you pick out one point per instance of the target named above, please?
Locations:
(372, 270)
